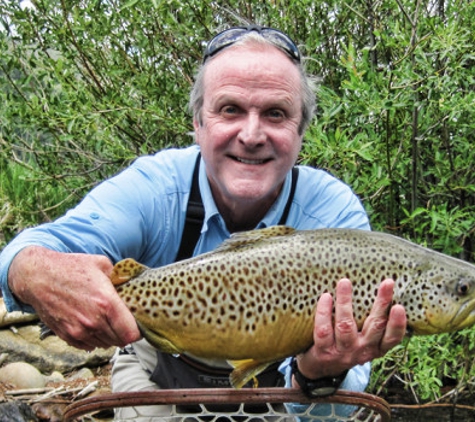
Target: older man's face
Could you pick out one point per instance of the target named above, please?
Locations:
(249, 133)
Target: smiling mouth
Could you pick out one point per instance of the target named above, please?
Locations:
(251, 162)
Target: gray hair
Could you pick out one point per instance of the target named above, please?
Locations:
(307, 85)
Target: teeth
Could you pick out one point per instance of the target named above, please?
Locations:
(242, 160)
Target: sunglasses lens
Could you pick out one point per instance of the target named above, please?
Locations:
(230, 36)
(223, 40)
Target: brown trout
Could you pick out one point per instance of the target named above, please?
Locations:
(252, 300)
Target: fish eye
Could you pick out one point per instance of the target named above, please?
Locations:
(463, 287)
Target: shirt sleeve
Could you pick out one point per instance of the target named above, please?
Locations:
(134, 214)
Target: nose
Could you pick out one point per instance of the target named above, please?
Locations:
(252, 132)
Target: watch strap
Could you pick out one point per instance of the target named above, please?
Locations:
(320, 387)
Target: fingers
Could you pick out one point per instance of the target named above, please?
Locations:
(339, 345)
(123, 324)
(73, 295)
(335, 339)
(323, 333)
(395, 329)
(386, 325)
(108, 323)
(346, 331)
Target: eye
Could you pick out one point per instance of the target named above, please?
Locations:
(276, 115)
(463, 287)
(229, 111)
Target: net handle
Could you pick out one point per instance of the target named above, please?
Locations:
(223, 396)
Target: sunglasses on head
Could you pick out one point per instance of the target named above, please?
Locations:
(232, 35)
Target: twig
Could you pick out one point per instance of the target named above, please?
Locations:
(28, 391)
(88, 389)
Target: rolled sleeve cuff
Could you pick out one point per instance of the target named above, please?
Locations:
(11, 302)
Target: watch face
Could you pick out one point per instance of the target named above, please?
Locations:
(322, 391)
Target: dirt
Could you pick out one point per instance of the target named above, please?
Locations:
(49, 403)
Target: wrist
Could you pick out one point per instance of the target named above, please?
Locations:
(318, 387)
(24, 267)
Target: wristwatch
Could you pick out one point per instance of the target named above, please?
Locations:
(320, 387)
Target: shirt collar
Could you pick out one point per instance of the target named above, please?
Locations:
(211, 210)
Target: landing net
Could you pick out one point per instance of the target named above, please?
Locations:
(228, 404)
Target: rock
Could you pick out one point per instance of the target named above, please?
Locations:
(22, 375)
(83, 373)
(16, 412)
(12, 318)
(49, 412)
(50, 354)
(54, 377)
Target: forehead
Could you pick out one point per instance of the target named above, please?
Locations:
(249, 68)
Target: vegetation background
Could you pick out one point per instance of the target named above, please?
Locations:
(87, 86)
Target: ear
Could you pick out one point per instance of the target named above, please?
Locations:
(197, 127)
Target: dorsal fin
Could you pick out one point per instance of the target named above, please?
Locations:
(252, 236)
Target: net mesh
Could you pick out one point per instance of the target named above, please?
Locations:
(242, 415)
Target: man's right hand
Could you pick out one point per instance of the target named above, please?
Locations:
(73, 295)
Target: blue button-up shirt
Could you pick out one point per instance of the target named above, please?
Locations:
(140, 213)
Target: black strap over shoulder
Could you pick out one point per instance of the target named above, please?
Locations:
(293, 186)
(195, 213)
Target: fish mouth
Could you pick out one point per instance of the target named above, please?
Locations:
(465, 317)
(437, 324)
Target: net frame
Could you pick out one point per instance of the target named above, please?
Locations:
(369, 407)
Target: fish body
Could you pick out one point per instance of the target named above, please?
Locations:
(252, 300)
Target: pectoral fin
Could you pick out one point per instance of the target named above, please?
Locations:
(160, 342)
(245, 370)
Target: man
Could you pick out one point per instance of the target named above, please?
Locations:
(251, 104)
